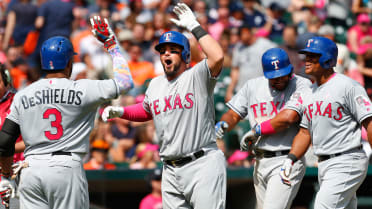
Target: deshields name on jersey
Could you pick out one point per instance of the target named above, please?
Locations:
(52, 96)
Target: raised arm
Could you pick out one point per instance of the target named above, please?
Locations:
(210, 47)
(103, 32)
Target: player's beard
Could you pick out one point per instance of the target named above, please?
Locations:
(173, 72)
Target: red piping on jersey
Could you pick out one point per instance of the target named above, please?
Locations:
(136, 113)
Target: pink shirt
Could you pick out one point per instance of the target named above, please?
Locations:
(151, 202)
(360, 34)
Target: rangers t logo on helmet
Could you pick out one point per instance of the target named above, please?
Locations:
(309, 42)
(276, 62)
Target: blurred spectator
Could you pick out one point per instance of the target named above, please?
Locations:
(108, 5)
(289, 45)
(98, 161)
(239, 159)
(246, 59)
(252, 17)
(225, 44)
(338, 12)
(364, 61)
(361, 6)
(153, 200)
(84, 69)
(274, 22)
(141, 70)
(55, 18)
(216, 29)
(145, 158)
(138, 14)
(12, 54)
(343, 57)
(139, 31)
(19, 74)
(199, 8)
(358, 32)
(125, 38)
(20, 21)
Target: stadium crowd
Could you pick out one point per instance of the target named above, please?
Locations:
(244, 28)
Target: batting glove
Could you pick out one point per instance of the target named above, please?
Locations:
(285, 171)
(186, 17)
(7, 190)
(220, 129)
(112, 112)
(103, 32)
(250, 138)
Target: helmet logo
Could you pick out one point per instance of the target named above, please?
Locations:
(275, 63)
(168, 36)
(51, 65)
(309, 42)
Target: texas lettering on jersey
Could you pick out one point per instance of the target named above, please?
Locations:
(323, 109)
(266, 108)
(172, 102)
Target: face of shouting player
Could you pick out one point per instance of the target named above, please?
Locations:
(171, 59)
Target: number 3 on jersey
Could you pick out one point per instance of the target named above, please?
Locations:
(55, 124)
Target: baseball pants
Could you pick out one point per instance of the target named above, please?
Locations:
(339, 179)
(53, 182)
(199, 184)
(271, 193)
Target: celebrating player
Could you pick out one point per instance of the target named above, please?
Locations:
(55, 116)
(261, 99)
(334, 114)
(181, 105)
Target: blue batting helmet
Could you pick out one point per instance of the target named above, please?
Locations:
(325, 47)
(55, 53)
(275, 63)
(176, 38)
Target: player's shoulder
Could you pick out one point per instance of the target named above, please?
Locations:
(345, 81)
(301, 80)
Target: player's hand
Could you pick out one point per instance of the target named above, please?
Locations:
(285, 171)
(102, 31)
(220, 128)
(186, 17)
(112, 112)
(248, 140)
(7, 190)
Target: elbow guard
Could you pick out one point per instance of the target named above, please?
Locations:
(8, 136)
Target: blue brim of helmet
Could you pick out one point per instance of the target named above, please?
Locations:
(279, 73)
(309, 50)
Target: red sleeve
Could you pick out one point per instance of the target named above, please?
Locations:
(136, 113)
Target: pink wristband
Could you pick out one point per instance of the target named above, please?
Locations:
(267, 128)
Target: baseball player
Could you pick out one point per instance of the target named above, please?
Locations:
(55, 116)
(334, 114)
(181, 105)
(261, 99)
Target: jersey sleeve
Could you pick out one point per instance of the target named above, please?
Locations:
(296, 101)
(99, 90)
(239, 103)
(359, 104)
(14, 113)
(203, 76)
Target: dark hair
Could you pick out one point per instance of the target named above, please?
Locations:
(4, 76)
(244, 26)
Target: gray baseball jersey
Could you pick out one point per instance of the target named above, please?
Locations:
(338, 106)
(183, 111)
(261, 102)
(53, 114)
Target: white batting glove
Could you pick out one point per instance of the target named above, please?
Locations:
(285, 171)
(186, 17)
(112, 112)
(220, 128)
(248, 140)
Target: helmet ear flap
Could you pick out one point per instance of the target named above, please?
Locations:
(186, 56)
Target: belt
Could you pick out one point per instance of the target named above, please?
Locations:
(184, 160)
(327, 157)
(61, 153)
(268, 154)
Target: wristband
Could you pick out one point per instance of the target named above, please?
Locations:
(292, 157)
(198, 32)
(267, 128)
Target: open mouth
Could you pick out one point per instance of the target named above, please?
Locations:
(168, 62)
